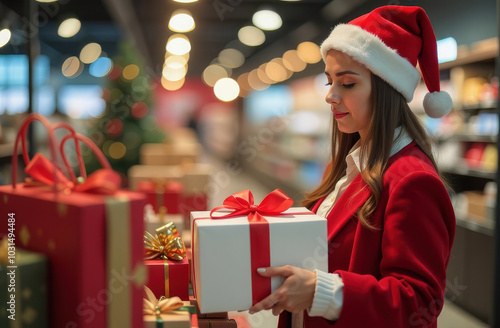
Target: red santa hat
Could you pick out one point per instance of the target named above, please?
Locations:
(390, 41)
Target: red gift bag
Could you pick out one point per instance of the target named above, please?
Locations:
(91, 233)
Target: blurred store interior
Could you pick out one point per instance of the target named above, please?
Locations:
(239, 85)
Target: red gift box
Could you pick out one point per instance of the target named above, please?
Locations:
(168, 278)
(93, 241)
(161, 193)
(192, 202)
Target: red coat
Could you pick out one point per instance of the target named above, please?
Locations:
(395, 276)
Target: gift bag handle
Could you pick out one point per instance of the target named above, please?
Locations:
(21, 136)
(89, 143)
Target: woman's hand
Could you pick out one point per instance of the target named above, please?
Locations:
(294, 295)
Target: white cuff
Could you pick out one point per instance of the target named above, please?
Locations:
(328, 296)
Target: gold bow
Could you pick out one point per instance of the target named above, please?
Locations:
(166, 244)
(153, 306)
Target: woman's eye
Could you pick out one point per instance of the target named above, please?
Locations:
(348, 85)
(328, 84)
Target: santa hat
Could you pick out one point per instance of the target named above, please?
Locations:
(389, 41)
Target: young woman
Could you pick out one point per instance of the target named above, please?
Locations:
(390, 220)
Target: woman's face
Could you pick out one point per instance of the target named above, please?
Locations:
(350, 92)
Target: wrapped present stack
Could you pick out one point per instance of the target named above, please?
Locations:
(90, 232)
(173, 180)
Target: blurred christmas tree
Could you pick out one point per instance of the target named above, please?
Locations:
(127, 121)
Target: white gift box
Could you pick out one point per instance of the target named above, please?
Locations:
(222, 261)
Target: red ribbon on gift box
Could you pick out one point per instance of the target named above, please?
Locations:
(242, 203)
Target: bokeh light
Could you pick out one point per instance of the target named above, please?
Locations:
(174, 74)
(175, 62)
(117, 150)
(251, 36)
(114, 127)
(309, 52)
(69, 27)
(178, 44)
(213, 73)
(226, 89)
(90, 53)
(139, 110)
(5, 36)
(181, 21)
(172, 85)
(72, 67)
(130, 72)
(231, 58)
(293, 62)
(267, 20)
(101, 67)
(255, 82)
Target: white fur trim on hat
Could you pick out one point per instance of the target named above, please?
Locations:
(371, 51)
(437, 104)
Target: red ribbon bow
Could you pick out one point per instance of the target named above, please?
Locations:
(103, 181)
(242, 203)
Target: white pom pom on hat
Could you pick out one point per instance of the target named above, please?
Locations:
(390, 41)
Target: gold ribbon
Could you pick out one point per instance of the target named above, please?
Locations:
(166, 244)
(153, 306)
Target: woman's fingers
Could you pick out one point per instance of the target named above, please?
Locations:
(285, 271)
(267, 303)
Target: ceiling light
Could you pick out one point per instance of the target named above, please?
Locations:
(90, 52)
(267, 20)
(4, 36)
(69, 28)
(181, 21)
(231, 58)
(213, 73)
(309, 52)
(226, 89)
(251, 36)
(178, 44)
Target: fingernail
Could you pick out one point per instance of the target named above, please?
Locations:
(251, 312)
(261, 270)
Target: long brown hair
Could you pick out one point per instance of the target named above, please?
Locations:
(389, 110)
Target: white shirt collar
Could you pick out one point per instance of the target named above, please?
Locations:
(401, 140)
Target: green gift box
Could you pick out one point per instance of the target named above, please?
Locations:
(23, 291)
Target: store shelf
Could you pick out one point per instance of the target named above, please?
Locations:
(462, 170)
(467, 137)
(473, 56)
(485, 227)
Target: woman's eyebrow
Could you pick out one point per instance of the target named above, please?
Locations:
(342, 73)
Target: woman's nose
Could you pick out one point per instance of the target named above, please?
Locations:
(332, 97)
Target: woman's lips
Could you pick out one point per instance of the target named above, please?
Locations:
(339, 115)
